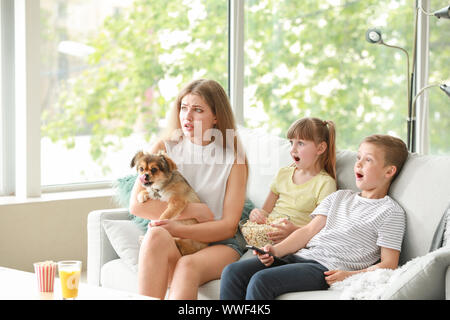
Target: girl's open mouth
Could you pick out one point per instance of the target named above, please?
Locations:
(296, 158)
(359, 175)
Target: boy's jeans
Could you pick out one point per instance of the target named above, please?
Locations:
(249, 279)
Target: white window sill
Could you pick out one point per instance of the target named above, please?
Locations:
(59, 196)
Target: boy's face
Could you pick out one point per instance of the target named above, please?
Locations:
(371, 173)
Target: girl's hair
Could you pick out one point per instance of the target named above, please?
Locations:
(217, 99)
(317, 130)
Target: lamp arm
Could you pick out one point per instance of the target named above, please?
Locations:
(425, 12)
(414, 104)
(420, 92)
(408, 80)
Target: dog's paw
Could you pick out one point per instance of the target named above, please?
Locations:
(154, 195)
(142, 196)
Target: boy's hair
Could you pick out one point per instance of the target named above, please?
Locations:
(317, 130)
(395, 150)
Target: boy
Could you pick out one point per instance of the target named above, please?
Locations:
(349, 233)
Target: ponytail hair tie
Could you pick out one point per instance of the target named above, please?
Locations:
(325, 123)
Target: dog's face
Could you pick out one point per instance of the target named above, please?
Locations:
(153, 169)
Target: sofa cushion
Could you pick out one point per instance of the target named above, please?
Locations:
(422, 190)
(265, 155)
(345, 161)
(116, 274)
(124, 237)
(311, 295)
(422, 278)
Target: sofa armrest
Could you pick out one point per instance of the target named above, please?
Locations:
(99, 248)
(447, 284)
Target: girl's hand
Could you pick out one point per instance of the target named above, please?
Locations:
(333, 276)
(265, 259)
(285, 228)
(258, 215)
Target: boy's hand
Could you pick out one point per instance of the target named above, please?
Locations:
(265, 259)
(258, 215)
(333, 276)
(285, 228)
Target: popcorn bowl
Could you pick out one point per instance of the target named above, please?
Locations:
(256, 234)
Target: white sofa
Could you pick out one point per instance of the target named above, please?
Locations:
(422, 189)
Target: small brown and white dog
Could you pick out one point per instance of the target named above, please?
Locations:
(159, 176)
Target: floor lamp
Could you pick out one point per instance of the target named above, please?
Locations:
(374, 36)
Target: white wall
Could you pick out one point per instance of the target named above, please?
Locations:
(46, 230)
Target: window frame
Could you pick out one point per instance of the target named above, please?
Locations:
(20, 145)
(7, 110)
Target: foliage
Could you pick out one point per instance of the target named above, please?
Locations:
(333, 73)
(303, 58)
(134, 56)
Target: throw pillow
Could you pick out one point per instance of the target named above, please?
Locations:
(446, 240)
(442, 233)
(421, 278)
(123, 187)
(124, 237)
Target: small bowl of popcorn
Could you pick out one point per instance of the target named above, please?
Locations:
(257, 234)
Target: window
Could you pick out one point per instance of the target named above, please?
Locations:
(310, 58)
(439, 71)
(111, 70)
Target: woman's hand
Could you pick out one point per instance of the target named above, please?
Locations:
(169, 225)
(333, 276)
(258, 215)
(285, 228)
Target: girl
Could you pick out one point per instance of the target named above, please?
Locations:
(298, 189)
(197, 129)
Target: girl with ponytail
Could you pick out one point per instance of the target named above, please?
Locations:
(299, 188)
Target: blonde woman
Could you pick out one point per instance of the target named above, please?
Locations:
(200, 140)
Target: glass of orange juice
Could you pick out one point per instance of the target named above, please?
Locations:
(69, 274)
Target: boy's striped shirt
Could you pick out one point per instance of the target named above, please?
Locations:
(355, 230)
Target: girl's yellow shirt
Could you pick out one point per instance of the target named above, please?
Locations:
(298, 201)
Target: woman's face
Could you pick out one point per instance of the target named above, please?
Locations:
(196, 117)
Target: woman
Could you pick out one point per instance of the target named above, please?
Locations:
(215, 166)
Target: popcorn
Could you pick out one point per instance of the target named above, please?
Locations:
(256, 234)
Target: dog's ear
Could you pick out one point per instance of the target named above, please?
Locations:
(138, 155)
(167, 162)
